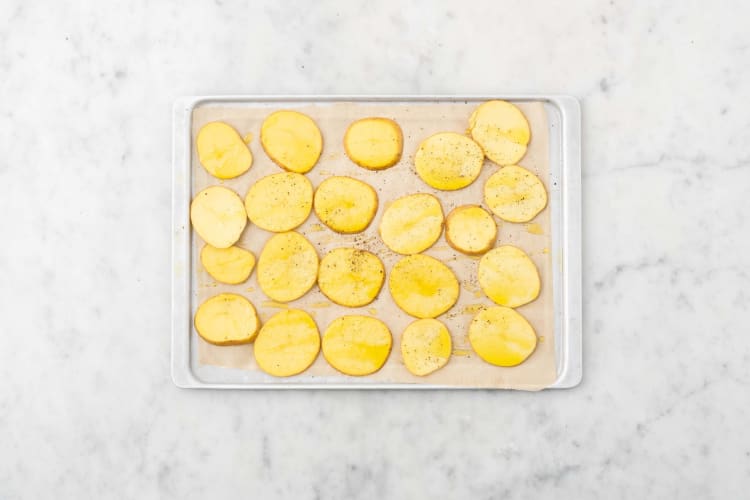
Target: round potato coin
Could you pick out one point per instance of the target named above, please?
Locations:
(501, 336)
(515, 194)
(231, 265)
(508, 276)
(226, 319)
(425, 346)
(412, 223)
(502, 130)
(287, 344)
(470, 229)
(351, 277)
(423, 286)
(287, 267)
(357, 345)
(374, 143)
(222, 152)
(345, 205)
(448, 161)
(218, 216)
(292, 140)
(279, 202)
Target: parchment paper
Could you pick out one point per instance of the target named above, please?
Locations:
(418, 121)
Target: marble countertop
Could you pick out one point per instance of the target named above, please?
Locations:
(87, 407)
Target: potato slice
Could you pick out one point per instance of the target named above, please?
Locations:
(357, 345)
(425, 346)
(345, 205)
(502, 130)
(231, 265)
(287, 344)
(222, 152)
(501, 336)
(412, 223)
(287, 267)
(374, 143)
(448, 161)
(227, 319)
(279, 202)
(292, 140)
(218, 216)
(351, 277)
(508, 276)
(515, 194)
(470, 229)
(423, 286)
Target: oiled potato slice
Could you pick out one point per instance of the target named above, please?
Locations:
(287, 344)
(287, 267)
(227, 319)
(231, 265)
(374, 143)
(515, 194)
(357, 345)
(448, 161)
(412, 223)
(502, 130)
(508, 276)
(501, 336)
(423, 286)
(345, 205)
(218, 216)
(292, 140)
(470, 229)
(351, 277)
(222, 152)
(279, 202)
(425, 346)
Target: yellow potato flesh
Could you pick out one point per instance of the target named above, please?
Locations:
(515, 194)
(502, 130)
(357, 345)
(412, 223)
(222, 152)
(287, 267)
(226, 319)
(501, 336)
(351, 277)
(448, 161)
(279, 202)
(345, 205)
(218, 216)
(470, 229)
(287, 344)
(374, 143)
(292, 140)
(425, 346)
(508, 276)
(423, 286)
(231, 265)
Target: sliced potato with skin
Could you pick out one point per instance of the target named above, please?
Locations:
(287, 344)
(515, 194)
(279, 202)
(508, 276)
(502, 130)
(357, 345)
(412, 223)
(218, 216)
(287, 267)
(292, 140)
(231, 265)
(227, 319)
(222, 152)
(351, 277)
(425, 346)
(423, 286)
(345, 205)
(448, 161)
(501, 336)
(374, 143)
(470, 229)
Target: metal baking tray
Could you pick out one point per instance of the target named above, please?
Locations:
(564, 123)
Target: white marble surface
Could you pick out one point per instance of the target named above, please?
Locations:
(87, 408)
